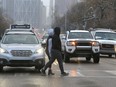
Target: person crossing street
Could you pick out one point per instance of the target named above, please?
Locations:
(48, 48)
(55, 53)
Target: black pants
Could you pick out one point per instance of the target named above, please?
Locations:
(49, 59)
(55, 54)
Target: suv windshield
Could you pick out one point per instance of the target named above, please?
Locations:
(105, 35)
(20, 39)
(84, 35)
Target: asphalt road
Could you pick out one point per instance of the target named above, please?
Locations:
(81, 74)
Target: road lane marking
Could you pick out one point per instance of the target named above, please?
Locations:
(100, 77)
(21, 74)
(73, 73)
(111, 72)
(79, 73)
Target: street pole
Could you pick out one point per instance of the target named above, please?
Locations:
(65, 17)
(65, 22)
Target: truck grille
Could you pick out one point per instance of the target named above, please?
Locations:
(107, 46)
(89, 50)
(21, 53)
(83, 43)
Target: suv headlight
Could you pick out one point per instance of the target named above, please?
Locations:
(3, 50)
(95, 43)
(115, 48)
(71, 43)
(39, 51)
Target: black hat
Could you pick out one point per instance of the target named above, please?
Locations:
(57, 31)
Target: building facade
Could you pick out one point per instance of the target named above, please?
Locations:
(25, 11)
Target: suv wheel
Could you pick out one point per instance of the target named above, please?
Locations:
(96, 58)
(88, 58)
(110, 55)
(66, 57)
(1, 68)
(38, 67)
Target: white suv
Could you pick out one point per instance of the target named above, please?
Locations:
(80, 43)
(20, 47)
(107, 40)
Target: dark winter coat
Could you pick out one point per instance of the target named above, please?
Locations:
(56, 42)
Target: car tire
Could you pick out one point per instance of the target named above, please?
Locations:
(110, 55)
(96, 58)
(40, 66)
(66, 57)
(1, 68)
(88, 58)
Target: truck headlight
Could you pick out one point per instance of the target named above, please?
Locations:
(39, 51)
(115, 48)
(3, 50)
(71, 43)
(95, 43)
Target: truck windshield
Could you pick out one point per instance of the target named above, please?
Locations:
(105, 35)
(83, 35)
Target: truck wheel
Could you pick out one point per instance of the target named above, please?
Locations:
(1, 68)
(88, 58)
(110, 55)
(96, 58)
(66, 57)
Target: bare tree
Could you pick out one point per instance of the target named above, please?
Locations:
(104, 11)
(91, 13)
(4, 22)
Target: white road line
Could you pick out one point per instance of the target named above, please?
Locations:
(73, 73)
(94, 70)
(108, 77)
(111, 72)
(21, 74)
(78, 73)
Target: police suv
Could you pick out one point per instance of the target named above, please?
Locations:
(80, 43)
(20, 47)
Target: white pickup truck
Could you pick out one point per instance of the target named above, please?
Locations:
(107, 40)
(80, 43)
